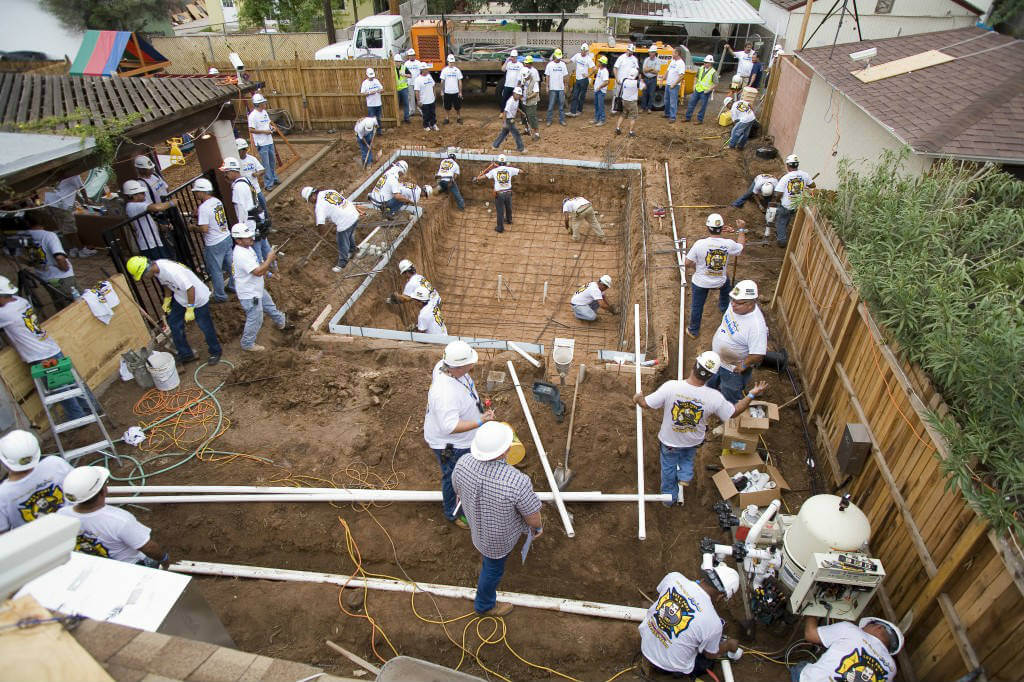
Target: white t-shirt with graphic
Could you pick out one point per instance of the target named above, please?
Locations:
(419, 280)
(430, 319)
(744, 63)
(147, 236)
(448, 169)
(675, 72)
(450, 401)
(742, 112)
(260, 120)
(574, 204)
(331, 205)
(502, 176)
(450, 76)
(711, 254)
(792, 185)
(686, 410)
(212, 215)
(425, 86)
(44, 254)
(739, 336)
(109, 532)
(513, 72)
(587, 294)
(624, 63)
(372, 88)
(760, 180)
(158, 187)
(179, 279)
(365, 126)
(601, 80)
(38, 494)
(584, 63)
(243, 262)
(21, 325)
(556, 73)
(250, 166)
(681, 623)
(850, 654)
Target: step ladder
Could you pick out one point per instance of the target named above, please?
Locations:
(75, 389)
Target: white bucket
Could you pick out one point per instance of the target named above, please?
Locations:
(161, 368)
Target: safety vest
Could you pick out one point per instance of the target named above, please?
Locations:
(705, 79)
(401, 83)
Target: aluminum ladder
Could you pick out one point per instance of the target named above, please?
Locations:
(76, 389)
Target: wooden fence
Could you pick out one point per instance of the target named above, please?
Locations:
(321, 94)
(195, 53)
(954, 584)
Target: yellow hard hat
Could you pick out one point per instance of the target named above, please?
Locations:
(558, 54)
(136, 266)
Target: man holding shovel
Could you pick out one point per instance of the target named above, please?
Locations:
(331, 206)
(365, 129)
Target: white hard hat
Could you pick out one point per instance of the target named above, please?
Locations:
(653, 49)
(258, 98)
(370, 73)
(19, 450)
(306, 192)
(404, 265)
(133, 187)
(451, 59)
(402, 166)
(6, 288)
(242, 231)
(729, 579)
(231, 164)
(428, 190)
(767, 189)
(459, 354)
(241, 143)
(501, 158)
(421, 294)
(710, 59)
(410, 52)
(513, 53)
(777, 48)
(605, 280)
(398, 57)
(631, 47)
(202, 185)
(491, 441)
(727, 101)
(792, 160)
(709, 361)
(714, 221)
(744, 291)
(84, 483)
(737, 80)
(584, 47)
(143, 161)
(517, 91)
(894, 633)
(213, 71)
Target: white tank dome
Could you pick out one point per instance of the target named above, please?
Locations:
(825, 524)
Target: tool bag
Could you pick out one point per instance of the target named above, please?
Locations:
(260, 217)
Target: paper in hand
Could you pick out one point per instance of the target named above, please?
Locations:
(526, 545)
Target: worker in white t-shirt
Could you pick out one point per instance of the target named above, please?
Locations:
(501, 175)
(624, 63)
(429, 320)
(454, 413)
(107, 531)
(762, 187)
(791, 186)
(508, 119)
(744, 62)
(249, 286)
(212, 222)
(531, 96)
(709, 258)
(19, 322)
(262, 131)
(45, 255)
(579, 210)
(858, 652)
(674, 75)
(630, 87)
(682, 625)
(33, 487)
(686, 407)
(590, 297)
(245, 199)
(556, 72)
(600, 91)
(743, 120)
(451, 89)
(386, 194)
(741, 341)
(426, 96)
(157, 188)
(61, 207)
(447, 179)
(513, 69)
(372, 88)
(145, 230)
(186, 298)
(414, 281)
(330, 205)
(365, 130)
(253, 169)
(584, 66)
(649, 70)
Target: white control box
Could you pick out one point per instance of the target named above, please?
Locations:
(837, 585)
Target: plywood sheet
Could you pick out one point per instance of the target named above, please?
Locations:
(914, 62)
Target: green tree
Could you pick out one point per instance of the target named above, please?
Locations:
(542, 6)
(293, 15)
(111, 15)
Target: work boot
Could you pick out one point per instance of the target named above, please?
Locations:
(255, 348)
(498, 610)
(214, 359)
(459, 120)
(461, 522)
(446, 121)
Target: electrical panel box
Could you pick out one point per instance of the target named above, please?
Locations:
(837, 585)
(854, 449)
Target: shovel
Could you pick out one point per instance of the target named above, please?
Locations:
(562, 473)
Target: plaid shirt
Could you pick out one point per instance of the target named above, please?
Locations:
(495, 499)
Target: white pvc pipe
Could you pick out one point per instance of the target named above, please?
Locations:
(529, 358)
(499, 286)
(641, 518)
(559, 504)
(755, 530)
(584, 608)
(680, 248)
(371, 496)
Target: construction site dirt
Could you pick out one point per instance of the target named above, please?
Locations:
(350, 414)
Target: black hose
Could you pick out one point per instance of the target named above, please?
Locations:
(812, 466)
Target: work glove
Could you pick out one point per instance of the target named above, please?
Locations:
(190, 314)
(167, 305)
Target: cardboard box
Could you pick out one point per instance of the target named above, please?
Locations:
(738, 440)
(752, 423)
(733, 464)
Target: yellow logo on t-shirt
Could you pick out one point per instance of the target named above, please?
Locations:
(503, 177)
(795, 186)
(859, 666)
(715, 259)
(42, 502)
(87, 543)
(438, 317)
(582, 289)
(673, 614)
(219, 216)
(334, 198)
(686, 414)
(28, 316)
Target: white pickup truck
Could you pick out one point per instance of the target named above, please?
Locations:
(376, 37)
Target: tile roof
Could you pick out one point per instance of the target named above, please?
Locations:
(690, 11)
(969, 108)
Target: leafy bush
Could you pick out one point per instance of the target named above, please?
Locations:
(939, 258)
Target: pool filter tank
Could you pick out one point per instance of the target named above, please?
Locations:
(825, 523)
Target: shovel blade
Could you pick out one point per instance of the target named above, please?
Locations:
(562, 477)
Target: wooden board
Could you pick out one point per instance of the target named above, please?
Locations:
(42, 653)
(914, 62)
(94, 348)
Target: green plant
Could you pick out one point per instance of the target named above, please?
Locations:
(939, 258)
(108, 134)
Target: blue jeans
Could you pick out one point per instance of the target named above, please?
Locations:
(587, 313)
(599, 114)
(579, 95)
(746, 196)
(556, 96)
(794, 672)
(262, 249)
(346, 242)
(676, 468)
(176, 321)
(740, 133)
(376, 113)
(75, 408)
(157, 252)
(647, 99)
(403, 104)
(698, 295)
(449, 185)
(491, 571)
(509, 127)
(365, 149)
(447, 465)
(730, 384)
(671, 102)
(269, 162)
(782, 217)
(254, 309)
(218, 260)
(703, 98)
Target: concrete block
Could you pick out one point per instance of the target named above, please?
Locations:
(103, 640)
(258, 668)
(139, 652)
(123, 673)
(225, 665)
(153, 677)
(180, 657)
(288, 670)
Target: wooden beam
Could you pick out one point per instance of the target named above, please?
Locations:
(963, 644)
(1011, 558)
(803, 26)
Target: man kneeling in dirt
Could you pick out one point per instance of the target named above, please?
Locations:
(590, 297)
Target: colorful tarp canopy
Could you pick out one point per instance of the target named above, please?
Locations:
(102, 51)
